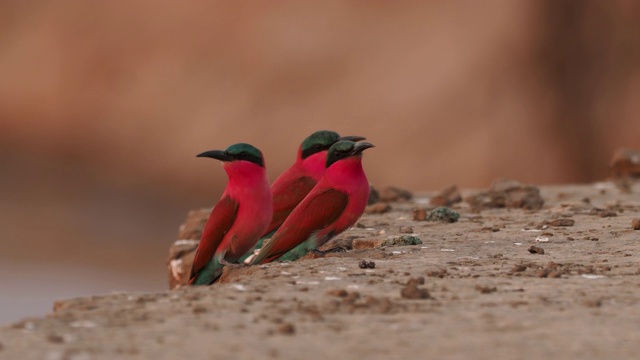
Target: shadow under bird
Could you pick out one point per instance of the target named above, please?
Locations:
(241, 216)
(332, 206)
(296, 182)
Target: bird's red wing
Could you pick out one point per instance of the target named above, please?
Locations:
(286, 197)
(219, 222)
(314, 213)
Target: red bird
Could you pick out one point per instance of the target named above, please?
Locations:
(241, 216)
(332, 206)
(296, 182)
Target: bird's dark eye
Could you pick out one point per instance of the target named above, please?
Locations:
(242, 155)
(317, 147)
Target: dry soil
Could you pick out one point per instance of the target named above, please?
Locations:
(483, 295)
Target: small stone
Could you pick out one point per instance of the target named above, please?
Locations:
(503, 185)
(391, 193)
(446, 197)
(416, 281)
(593, 303)
(536, 250)
(554, 274)
(486, 289)
(624, 184)
(562, 222)
(361, 244)
(608, 213)
(542, 273)
(595, 211)
(635, 224)
(490, 228)
(412, 291)
(364, 264)
(338, 293)
(55, 338)
(351, 298)
(379, 208)
(437, 273)
(625, 163)
(141, 300)
(406, 230)
(507, 193)
(519, 268)
(199, 309)
(286, 329)
(419, 214)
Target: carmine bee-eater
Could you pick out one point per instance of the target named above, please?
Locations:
(295, 183)
(332, 206)
(241, 216)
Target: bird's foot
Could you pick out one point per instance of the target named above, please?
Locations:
(250, 258)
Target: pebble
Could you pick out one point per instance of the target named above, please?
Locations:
(536, 250)
(286, 329)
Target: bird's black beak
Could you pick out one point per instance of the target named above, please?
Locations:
(353, 138)
(361, 146)
(216, 154)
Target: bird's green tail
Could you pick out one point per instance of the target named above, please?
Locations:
(298, 251)
(209, 273)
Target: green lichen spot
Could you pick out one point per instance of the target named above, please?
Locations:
(404, 240)
(443, 214)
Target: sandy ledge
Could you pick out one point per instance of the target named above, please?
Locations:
(487, 296)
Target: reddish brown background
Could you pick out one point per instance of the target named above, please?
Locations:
(103, 105)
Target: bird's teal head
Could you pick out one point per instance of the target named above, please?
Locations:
(345, 149)
(236, 152)
(321, 141)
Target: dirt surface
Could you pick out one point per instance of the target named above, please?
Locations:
(473, 289)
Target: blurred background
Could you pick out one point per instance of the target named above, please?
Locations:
(104, 104)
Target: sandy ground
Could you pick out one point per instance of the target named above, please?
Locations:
(487, 296)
